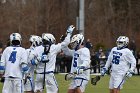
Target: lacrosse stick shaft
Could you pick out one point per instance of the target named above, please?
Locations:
(93, 66)
(46, 52)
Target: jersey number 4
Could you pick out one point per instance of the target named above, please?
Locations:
(116, 59)
(12, 57)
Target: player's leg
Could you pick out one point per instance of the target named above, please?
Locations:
(27, 86)
(51, 84)
(78, 90)
(39, 83)
(72, 87)
(118, 83)
(79, 85)
(116, 90)
(7, 87)
(71, 90)
(111, 91)
(18, 86)
(111, 82)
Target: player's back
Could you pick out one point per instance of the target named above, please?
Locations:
(13, 57)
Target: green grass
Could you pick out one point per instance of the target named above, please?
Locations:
(131, 86)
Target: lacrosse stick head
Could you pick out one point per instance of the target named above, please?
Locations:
(95, 80)
(69, 76)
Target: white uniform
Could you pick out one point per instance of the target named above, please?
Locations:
(12, 58)
(29, 84)
(51, 83)
(81, 58)
(120, 61)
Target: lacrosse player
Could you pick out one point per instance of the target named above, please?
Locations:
(14, 59)
(29, 77)
(80, 61)
(46, 55)
(122, 64)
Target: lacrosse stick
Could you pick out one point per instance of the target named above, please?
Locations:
(95, 80)
(93, 66)
(70, 76)
(46, 51)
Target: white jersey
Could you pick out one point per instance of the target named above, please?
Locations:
(54, 50)
(121, 60)
(30, 56)
(50, 66)
(81, 57)
(12, 58)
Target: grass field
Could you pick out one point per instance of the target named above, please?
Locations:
(131, 86)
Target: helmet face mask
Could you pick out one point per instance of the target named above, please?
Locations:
(73, 45)
(76, 41)
(122, 42)
(48, 38)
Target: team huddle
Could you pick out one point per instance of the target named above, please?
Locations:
(19, 64)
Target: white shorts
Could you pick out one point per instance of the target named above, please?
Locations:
(79, 82)
(116, 81)
(12, 86)
(39, 82)
(51, 84)
(29, 85)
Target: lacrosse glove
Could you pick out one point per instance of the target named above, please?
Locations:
(44, 59)
(103, 71)
(70, 29)
(69, 76)
(24, 68)
(129, 73)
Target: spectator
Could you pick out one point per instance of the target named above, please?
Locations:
(68, 61)
(88, 44)
(132, 47)
(62, 63)
(138, 63)
(98, 54)
(94, 61)
(102, 59)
